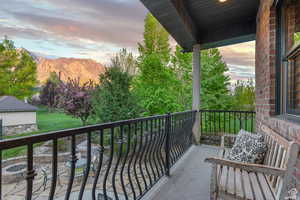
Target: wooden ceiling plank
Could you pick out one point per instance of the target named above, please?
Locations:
(207, 21)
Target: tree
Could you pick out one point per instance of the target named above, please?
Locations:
(164, 82)
(297, 37)
(182, 66)
(113, 99)
(156, 40)
(125, 61)
(215, 83)
(155, 85)
(76, 99)
(17, 71)
(244, 95)
(50, 91)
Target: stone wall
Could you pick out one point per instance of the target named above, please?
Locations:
(265, 78)
(13, 130)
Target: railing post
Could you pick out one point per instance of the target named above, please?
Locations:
(1, 129)
(1, 137)
(167, 144)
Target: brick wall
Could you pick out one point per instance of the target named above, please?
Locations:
(265, 77)
(265, 61)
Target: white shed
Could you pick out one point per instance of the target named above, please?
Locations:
(17, 116)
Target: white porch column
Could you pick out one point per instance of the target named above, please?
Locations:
(196, 89)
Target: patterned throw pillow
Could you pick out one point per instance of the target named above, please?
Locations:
(248, 148)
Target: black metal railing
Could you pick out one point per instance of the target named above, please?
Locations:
(121, 160)
(218, 122)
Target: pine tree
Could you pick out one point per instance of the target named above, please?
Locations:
(215, 83)
(17, 71)
(182, 66)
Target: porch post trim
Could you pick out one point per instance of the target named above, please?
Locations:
(196, 90)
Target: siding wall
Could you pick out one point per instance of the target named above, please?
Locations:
(18, 118)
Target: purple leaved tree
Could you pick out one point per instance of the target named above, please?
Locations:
(76, 99)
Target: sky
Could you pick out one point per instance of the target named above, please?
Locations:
(95, 29)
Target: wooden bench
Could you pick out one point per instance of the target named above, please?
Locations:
(236, 180)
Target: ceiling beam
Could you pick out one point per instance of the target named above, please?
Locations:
(185, 17)
(179, 21)
(172, 14)
(237, 33)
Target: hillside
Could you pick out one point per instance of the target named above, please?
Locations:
(85, 69)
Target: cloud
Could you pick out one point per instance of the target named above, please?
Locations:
(94, 29)
(240, 54)
(240, 59)
(75, 30)
(116, 22)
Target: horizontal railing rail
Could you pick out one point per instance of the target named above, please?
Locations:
(118, 160)
(218, 122)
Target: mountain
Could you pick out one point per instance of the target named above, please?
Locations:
(85, 69)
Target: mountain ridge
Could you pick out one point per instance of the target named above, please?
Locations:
(73, 68)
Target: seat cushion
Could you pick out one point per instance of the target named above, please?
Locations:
(248, 148)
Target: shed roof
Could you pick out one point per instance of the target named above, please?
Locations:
(12, 104)
(206, 22)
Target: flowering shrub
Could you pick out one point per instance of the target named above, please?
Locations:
(75, 99)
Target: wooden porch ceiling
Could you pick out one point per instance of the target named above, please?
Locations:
(207, 22)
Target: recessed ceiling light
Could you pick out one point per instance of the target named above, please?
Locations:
(222, 1)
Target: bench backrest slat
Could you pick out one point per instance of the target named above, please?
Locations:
(279, 155)
(275, 136)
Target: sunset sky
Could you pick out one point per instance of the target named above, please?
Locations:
(94, 29)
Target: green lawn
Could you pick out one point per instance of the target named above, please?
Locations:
(51, 121)
(230, 127)
(55, 121)
(46, 121)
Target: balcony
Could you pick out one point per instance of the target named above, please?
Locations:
(145, 158)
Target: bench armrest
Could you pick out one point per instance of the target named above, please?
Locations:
(247, 167)
(223, 139)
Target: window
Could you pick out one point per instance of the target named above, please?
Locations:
(292, 26)
(292, 40)
(290, 34)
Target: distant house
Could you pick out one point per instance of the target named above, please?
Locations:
(17, 116)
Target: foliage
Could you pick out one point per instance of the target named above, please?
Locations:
(215, 84)
(182, 67)
(244, 95)
(76, 99)
(156, 86)
(156, 40)
(17, 71)
(125, 61)
(50, 91)
(113, 99)
(164, 82)
(297, 37)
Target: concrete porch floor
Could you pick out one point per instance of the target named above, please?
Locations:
(190, 177)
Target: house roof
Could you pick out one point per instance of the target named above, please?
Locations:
(206, 22)
(12, 104)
